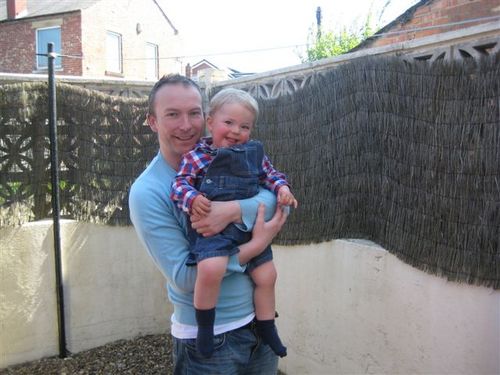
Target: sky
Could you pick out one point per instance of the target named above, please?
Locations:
(261, 35)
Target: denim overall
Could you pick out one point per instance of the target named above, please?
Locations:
(233, 174)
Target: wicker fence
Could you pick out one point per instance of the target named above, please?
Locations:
(406, 155)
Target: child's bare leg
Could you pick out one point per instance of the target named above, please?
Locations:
(210, 272)
(264, 276)
(206, 291)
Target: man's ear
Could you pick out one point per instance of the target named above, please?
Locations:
(152, 122)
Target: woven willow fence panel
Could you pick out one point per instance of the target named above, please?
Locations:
(405, 155)
(103, 145)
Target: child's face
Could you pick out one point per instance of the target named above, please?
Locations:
(231, 124)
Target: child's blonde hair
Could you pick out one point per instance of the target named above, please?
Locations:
(231, 95)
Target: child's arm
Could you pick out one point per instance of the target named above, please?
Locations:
(277, 182)
(201, 206)
(286, 198)
(183, 190)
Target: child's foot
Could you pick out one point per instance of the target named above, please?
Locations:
(205, 337)
(269, 334)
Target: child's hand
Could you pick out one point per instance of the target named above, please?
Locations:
(201, 206)
(286, 198)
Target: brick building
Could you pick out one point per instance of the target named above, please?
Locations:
(96, 38)
(432, 17)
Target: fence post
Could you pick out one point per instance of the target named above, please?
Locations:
(54, 172)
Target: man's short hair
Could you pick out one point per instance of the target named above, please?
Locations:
(169, 79)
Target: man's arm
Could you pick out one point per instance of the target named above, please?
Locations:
(162, 234)
(242, 213)
(262, 234)
(162, 230)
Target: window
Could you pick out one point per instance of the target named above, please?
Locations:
(114, 52)
(151, 61)
(43, 37)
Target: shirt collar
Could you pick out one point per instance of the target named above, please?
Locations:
(206, 145)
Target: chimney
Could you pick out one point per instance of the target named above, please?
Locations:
(16, 8)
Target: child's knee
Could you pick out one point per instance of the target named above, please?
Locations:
(211, 270)
(265, 275)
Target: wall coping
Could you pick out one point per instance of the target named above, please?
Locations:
(474, 32)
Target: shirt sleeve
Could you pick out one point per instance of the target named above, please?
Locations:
(183, 190)
(272, 179)
(162, 230)
(250, 206)
(163, 236)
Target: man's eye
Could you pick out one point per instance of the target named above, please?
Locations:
(171, 114)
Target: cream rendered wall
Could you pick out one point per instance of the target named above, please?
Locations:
(122, 17)
(346, 307)
(28, 320)
(112, 290)
(350, 307)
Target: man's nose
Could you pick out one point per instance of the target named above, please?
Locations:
(185, 123)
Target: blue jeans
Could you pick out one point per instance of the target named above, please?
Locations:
(237, 352)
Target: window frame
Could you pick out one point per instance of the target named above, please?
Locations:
(58, 60)
(109, 68)
(156, 61)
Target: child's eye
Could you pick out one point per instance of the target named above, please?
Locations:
(227, 122)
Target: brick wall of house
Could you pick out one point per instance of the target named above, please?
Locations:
(17, 48)
(71, 34)
(18, 43)
(122, 17)
(440, 12)
(83, 34)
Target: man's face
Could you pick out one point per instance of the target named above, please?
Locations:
(178, 120)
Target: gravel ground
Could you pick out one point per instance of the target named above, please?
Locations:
(147, 355)
(143, 355)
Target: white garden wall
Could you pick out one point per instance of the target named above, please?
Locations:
(112, 290)
(346, 307)
(350, 307)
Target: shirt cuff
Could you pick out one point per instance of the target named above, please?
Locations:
(234, 265)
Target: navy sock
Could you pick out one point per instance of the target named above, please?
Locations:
(205, 338)
(269, 334)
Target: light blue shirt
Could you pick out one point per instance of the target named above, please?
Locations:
(162, 228)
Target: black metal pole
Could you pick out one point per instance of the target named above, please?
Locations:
(54, 172)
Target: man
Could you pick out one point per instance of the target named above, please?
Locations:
(175, 113)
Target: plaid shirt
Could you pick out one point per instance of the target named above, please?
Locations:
(195, 164)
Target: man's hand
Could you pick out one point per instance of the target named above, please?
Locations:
(266, 231)
(263, 233)
(201, 206)
(220, 216)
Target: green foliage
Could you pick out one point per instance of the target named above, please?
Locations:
(9, 189)
(63, 185)
(333, 43)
